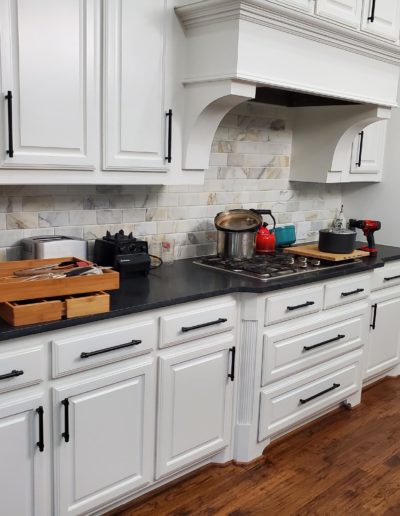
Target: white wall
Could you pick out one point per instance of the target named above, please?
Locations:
(380, 201)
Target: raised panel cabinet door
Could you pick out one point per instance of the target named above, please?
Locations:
(104, 433)
(383, 347)
(382, 18)
(195, 403)
(21, 461)
(368, 150)
(134, 53)
(49, 64)
(347, 12)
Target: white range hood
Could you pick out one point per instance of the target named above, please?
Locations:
(235, 46)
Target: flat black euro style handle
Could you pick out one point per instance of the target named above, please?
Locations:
(391, 278)
(168, 157)
(334, 339)
(40, 443)
(358, 163)
(204, 325)
(11, 374)
(304, 305)
(371, 17)
(375, 309)
(10, 150)
(87, 354)
(352, 292)
(231, 375)
(65, 434)
(334, 386)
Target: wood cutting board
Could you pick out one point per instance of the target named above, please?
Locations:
(312, 251)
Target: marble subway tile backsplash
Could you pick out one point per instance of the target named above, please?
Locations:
(249, 168)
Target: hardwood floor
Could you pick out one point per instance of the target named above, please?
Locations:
(347, 463)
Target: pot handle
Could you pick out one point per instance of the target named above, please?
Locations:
(266, 212)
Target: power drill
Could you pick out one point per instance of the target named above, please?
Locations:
(369, 227)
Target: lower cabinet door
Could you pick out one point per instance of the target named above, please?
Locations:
(103, 436)
(22, 458)
(383, 347)
(195, 402)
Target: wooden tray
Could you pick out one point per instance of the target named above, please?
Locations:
(21, 313)
(312, 251)
(18, 289)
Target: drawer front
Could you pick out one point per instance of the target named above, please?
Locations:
(293, 304)
(201, 320)
(347, 291)
(21, 369)
(102, 347)
(387, 276)
(287, 404)
(286, 356)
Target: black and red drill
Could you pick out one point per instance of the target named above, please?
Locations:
(368, 227)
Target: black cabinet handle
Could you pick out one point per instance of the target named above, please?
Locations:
(304, 305)
(375, 309)
(231, 375)
(352, 292)
(392, 278)
(339, 337)
(204, 325)
(40, 443)
(334, 386)
(10, 150)
(371, 18)
(87, 354)
(168, 157)
(65, 434)
(358, 163)
(13, 373)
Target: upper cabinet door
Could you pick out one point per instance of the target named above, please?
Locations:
(347, 12)
(48, 63)
(306, 5)
(382, 18)
(368, 150)
(134, 117)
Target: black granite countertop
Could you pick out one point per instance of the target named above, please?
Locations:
(184, 281)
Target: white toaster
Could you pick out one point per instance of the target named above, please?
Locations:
(53, 246)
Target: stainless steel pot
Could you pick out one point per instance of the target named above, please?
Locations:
(237, 231)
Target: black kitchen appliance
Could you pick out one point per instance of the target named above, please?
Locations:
(125, 253)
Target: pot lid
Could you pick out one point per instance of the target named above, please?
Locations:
(238, 220)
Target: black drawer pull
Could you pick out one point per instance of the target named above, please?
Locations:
(334, 386)
(10, 150)
(304, 305)
(87, 354)
(371, 18)
(375, 309)
(40, 443)
(231, 375)
(204, 325)
(65, 434)
(352, 292)
(359, 162)
(339, 337)
(168, 157)
(13, 373)
(392, 278)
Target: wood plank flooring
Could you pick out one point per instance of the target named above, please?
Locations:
(347, 463)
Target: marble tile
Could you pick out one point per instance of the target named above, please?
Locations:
(53, 218)
(22, 220)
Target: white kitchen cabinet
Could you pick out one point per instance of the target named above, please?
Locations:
(49, 64)
(22, 470)
(305, 5)
(383, 346)
(382, 18)
(195, 402)
(103, 437)
(346, 12)
(135, 123)
(367, 152)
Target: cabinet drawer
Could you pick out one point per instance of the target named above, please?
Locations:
(293, 304)
(201, 320)
(346, 291)
(284, 355)
(21, 368)
(387, 276)
(289, 402)
(97, 348)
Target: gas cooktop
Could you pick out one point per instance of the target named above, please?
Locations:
(267, 267)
